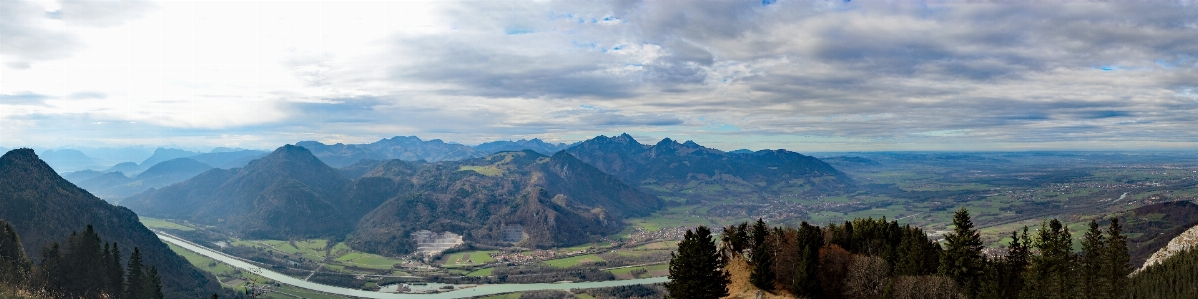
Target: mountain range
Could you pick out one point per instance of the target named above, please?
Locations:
(45, 208)
(412, 148)
(68, 160)
(125, 179)
(536, 145)
(554, 200)
(115, 185)
(690, 171)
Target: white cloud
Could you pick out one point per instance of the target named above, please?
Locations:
(804, 75)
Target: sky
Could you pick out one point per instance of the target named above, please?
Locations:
(801, 75)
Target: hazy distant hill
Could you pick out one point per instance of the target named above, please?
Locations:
(128, 168)
(288, 193)
(172, 171)
(43, 207)
(407, 148)
(558, 200)
(82, 175)
(535, 145)
(68, 160)
(114, 155)
(229, 158)
(116, 185)
(689, 170)
(162, 154)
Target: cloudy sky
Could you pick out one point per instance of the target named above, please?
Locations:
(801, 75)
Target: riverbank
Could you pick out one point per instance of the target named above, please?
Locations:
(479, 290)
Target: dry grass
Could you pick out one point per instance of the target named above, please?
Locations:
(740, 287)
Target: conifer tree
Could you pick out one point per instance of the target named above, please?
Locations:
(14, 265)
(806, 280)
(962, 256)
(736, 237)
(916, 254)
(80, 272)
(135, 278)
(153, 286)
(48, 270)
(1019, 250)
(1117, 261)
(115, 272)
(1051, 274)
(696, 270)
(763, 273)
(742, 237)
(1018, 253)
(1090, 263)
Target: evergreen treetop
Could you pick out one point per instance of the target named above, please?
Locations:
(696, 270)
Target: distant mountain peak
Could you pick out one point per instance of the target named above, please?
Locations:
(625, 138)
(669, 163)
(289, 154)
(666, 142)
(24, 160)
(21, 154)
(162, 154)
(406, 138)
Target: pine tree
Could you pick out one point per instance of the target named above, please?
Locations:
(962, 256)
(806, 280)
(1019, 250)
(153, 286)
(79, 274)
(115, 272)
(135, 277)
(763, 273)
(1090, 263)
(696, 270)
(1051, 274)
(1117, 262)
(47, 272)
(741, 237)
(916, 254)
(735, 237)
(14, 265)
(1018, 253)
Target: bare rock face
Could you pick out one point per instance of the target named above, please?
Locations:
(1186, 240)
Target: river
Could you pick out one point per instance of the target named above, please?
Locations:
(484, 289)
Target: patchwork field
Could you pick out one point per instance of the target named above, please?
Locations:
(467, 258)
(574, 261)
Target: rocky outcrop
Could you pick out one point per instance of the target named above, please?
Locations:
(1182, 242)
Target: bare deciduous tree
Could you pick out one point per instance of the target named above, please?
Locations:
(866, 278)
(924, 287)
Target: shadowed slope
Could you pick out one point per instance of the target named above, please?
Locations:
(45, 208)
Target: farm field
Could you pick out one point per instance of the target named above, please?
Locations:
(467, 258)
(574, 261)
(163, 224)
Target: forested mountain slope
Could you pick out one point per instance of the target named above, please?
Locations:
(44, 208)
(288, 193)
(556, 200)
(689, 170)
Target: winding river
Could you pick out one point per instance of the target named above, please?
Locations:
(485, 289)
